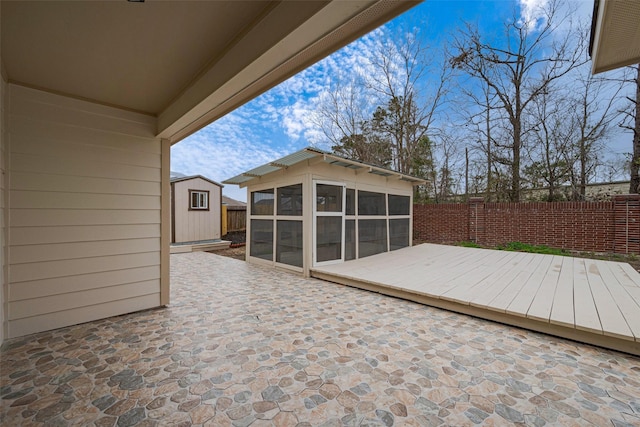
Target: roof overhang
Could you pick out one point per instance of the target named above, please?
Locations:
(251, 176)
(189, 178)
(615, 34)
(186, 63)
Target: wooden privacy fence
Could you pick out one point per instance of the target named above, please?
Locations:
(236, 218)
(582, 226)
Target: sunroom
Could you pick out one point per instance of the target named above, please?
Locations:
(314, 208)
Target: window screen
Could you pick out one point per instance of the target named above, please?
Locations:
(328, 198)
(399, 205)
(370, 203)
(262, 202)
(350, 239)
(328, 238)
(262, 239)
(289, 243)
(350, 209)
(290, 200)
(372, 236)
(398, 233)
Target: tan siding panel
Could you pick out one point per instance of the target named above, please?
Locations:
(52, 304)
(77, 315)
(47, 200)
(72, 267)
(40, 164)
(82, 152)
(61, 285)
(46, 235)
(97, 109)
(53, 252)
(51, 110)
(85, 206)
(81, 184)
(91, 137)
(49, 217)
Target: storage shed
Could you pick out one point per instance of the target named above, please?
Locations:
(196, 204)
(313, 208)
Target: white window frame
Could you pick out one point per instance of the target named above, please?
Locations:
(203, 200)
(315, 212)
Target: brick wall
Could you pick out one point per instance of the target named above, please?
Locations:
(584, 226)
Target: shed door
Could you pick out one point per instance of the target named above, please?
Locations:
(328, 222)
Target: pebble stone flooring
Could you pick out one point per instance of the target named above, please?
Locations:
(245, 345)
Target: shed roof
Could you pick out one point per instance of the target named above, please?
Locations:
(233, 202)
(310, 153)
(187, 178)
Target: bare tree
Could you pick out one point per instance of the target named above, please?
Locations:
(410, 109)
(592, 112)
(343, 117)
(551, 149)
(394, 131)
(479, 118)
(520, 69)
(631, 122)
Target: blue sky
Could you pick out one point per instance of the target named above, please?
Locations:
(280, 122)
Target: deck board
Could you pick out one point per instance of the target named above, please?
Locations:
(521, 304)
(465, 295)
(490, 291)
(588, 300)
(586, 314)
(611, 317)
(542, 303)
(627, 306)
(465, 289)
(503, 300)
(562, 310)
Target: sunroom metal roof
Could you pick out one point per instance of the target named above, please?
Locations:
(310, 153)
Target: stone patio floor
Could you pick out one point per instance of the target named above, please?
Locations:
(246, 345)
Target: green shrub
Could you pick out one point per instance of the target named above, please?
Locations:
(469, 244)
(535, 249)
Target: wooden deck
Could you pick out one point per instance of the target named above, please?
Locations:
(597, 302)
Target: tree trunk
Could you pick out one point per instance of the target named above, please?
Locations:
(583, 171)
(489, 178)
(634, 186)
(514, 195)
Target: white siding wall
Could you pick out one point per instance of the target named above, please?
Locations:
(192, 226)
(84, 211)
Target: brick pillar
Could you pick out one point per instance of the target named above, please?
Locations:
(476, 220)
(626, 222)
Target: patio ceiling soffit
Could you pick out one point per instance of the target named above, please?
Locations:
(336, 24)
(615, 34)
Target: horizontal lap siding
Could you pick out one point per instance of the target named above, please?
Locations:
(84, 212)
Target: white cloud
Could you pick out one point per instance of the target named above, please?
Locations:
(274, 124)
(532, 12)
(224, 149)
